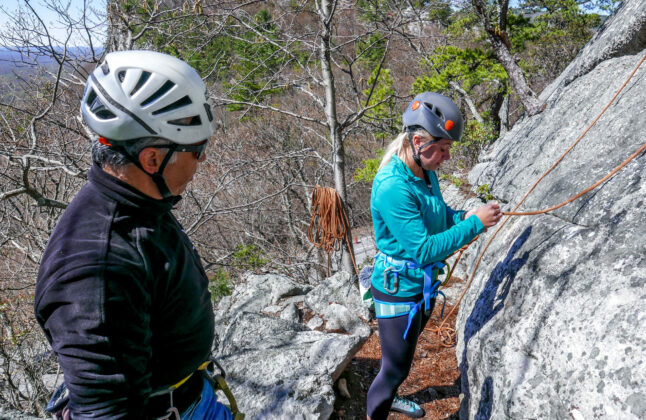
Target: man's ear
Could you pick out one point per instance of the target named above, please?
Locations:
(150, 159)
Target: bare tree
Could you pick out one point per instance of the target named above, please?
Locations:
(315, 56)
(43, 162)
(494, 21)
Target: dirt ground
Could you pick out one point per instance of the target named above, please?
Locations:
(433, 383)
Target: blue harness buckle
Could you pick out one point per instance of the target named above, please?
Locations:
(430, 290)
(395, 280)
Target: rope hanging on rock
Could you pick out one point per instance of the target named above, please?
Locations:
(447, 334)
(329, 224)
(441, 330)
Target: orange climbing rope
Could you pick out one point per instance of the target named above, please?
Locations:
(447, 335)
(329, 224)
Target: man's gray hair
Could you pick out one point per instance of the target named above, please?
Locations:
(103, 155)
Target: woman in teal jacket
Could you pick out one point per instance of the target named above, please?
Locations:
(415, 230)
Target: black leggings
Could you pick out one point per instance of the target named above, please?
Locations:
(396, 355)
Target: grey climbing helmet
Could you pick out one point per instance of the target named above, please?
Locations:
(437, 114)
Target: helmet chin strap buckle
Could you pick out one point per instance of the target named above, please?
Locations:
(417, 151)
(158, 177)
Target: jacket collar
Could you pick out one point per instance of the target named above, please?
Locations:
(128, 195)
(402, 169)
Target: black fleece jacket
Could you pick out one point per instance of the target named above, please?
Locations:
(123, 299)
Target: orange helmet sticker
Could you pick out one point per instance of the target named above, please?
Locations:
(448, 125)
(104, 141)
(415, 105)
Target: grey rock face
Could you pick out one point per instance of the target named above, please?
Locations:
(290, 313)
(554, 323)
(277, 367)
(259, 292)
(339, 317)
(314, 323)
(337, 289)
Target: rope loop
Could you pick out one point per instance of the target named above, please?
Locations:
(329, 225)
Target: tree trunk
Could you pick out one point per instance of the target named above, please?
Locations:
(469, 101)
(326, 11)
(119, 33)
(518, 83)
(500, 110)
(501, 46)
(503, 115)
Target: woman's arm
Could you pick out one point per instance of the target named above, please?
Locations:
(401, 213)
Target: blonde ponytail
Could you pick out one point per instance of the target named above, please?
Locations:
(399, 146)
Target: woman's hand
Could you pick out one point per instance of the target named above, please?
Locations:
(489, 214)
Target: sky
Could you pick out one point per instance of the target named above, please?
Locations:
(51, 18)
(74, 8)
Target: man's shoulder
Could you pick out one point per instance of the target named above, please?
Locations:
(90, 230)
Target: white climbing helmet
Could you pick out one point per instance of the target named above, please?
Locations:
(136, 94)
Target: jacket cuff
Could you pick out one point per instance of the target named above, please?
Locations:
(477, 224)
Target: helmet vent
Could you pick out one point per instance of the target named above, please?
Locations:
(121, 75)
(437, 111)
(175, 105)
(159, 93)
(98, 109)
(91, 97)
(142, 80)
(209, 114)
(104, 114)
(194, 120)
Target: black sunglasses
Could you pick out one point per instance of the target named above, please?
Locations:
(197, 149)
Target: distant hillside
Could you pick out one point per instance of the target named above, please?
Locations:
(11, 60)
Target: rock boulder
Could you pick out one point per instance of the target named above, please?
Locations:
(278, 366)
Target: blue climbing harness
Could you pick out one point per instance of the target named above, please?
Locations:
(430, 291)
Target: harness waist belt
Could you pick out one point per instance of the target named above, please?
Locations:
(178, 396)
(430, 290)
(392, 309)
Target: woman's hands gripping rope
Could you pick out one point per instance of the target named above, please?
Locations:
(489, 214)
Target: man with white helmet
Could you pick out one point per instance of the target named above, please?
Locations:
(121, 293)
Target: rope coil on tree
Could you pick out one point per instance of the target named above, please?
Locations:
(442, 330)
(329, 225)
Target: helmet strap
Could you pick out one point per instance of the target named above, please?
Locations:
(157, 177)
(416, 153)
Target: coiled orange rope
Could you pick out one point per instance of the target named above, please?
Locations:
(442, 330)
(329, 224)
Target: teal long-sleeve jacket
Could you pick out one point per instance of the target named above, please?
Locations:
(414, 223)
